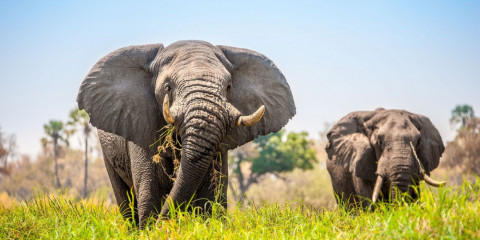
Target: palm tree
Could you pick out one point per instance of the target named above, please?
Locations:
(461, 113)
(81, 118)
(54, 129)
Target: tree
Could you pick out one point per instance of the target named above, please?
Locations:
(461, 114)
(464, 151)
(30, 175)
(7, 149)
(272, 154)
(55, 130)
(81, 119)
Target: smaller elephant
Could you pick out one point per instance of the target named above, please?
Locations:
(375, 155)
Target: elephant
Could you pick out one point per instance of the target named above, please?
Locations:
(215, 97)
(375, 155)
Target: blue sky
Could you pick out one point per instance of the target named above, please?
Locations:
(422, 56)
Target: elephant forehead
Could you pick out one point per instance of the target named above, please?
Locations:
(189, 55)
(358, 138)
(400, 130)
(396, 124)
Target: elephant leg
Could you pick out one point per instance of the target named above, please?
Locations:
(121, 191)
(342, 184)
(148, 188)
(117, 163)
(363, 190)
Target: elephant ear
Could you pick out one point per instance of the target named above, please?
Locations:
(256, 81)
(349, 146)
(430, 147)
(118, 94)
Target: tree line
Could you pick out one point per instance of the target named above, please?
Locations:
(273, 156)
(57, 131)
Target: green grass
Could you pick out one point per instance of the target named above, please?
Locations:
(446, 213)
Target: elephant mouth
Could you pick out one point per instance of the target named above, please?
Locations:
(404, 181)
(393, 189)
(402, 185)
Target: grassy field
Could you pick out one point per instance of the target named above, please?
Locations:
(447, 213)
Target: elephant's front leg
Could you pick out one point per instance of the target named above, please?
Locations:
(149, 190)
(342, 184)
(363, 190)
(214, 185)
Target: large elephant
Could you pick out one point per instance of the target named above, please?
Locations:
(216, 97)
(376, 154)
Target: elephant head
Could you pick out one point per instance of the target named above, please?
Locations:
(393, 148)
(215, 96)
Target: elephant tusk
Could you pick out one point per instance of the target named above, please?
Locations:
(432, 182)
(247, 121)
(376, 189)
(166, 111)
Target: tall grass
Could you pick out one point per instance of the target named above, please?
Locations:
(444, 213)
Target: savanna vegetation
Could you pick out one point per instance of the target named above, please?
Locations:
(449, 213)
(279, 188)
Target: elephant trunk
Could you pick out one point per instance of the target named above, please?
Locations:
(203, 128)
(399, 171)
(404, 178)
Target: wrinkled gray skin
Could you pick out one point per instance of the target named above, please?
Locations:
(209, 88)
(364, 145)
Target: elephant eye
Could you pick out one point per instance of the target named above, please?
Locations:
(229, 87)
(380, 140)
(168, 88)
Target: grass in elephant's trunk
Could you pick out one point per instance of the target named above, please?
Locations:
(168, 141)
(217, 174)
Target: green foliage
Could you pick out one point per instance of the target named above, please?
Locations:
(461, 114)
(54, 129)
(275, 154)
(279, 154)
(448, 213)
(78, 116)
(311, 188)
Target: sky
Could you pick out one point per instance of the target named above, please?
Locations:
(338, 57)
